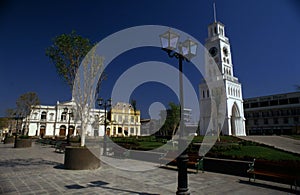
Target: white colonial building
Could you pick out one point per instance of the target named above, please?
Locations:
(57, 120)
(219, 49)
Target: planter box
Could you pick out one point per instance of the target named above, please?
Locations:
(9, 140)
(23, 143)
(80, 158)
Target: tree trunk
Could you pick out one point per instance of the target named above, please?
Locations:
(83, 132)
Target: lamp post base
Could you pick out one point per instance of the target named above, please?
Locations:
(182, 174)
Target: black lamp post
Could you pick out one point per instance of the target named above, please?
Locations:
(106, 104)
(70, 115)
(187, 50)
(16, 135)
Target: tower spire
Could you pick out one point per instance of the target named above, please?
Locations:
(215, 14)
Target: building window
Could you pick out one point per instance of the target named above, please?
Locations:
(51, 116)
(131, 130)
(294, 100)
(36, 114)
(266, 121)
(255, 122)
(285, 120)
(120, 118)
(296, 119)
(44, 116)
(274, 103)
(132, 119)
(275, 120)
(63, 116)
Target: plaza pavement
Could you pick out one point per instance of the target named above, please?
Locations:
(283, 143)
(38, 170)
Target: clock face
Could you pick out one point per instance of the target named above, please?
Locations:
(225, 51)
(213, 51)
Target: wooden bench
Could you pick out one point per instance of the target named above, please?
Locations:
(194, 160)
(60, 146)
(283, 171)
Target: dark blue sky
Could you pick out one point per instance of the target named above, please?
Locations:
(264, 37)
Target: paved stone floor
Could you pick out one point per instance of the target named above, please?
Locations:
(283, 143)
(38, 170)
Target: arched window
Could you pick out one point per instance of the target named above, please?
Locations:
(63, 116)
(207, 93)
(44, 116)
(228, 90)
(51, 116)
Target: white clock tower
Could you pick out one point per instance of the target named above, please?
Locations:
(218, 47)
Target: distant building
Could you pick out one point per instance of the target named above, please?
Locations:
(273, 114)
(124, 120)
(55, 121)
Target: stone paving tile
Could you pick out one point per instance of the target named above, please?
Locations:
(37, 170)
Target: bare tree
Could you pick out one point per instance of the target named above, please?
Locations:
(85, 87)
(24, 104)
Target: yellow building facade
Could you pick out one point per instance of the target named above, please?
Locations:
(124, 120)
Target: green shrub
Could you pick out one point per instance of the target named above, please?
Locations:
(24, 137)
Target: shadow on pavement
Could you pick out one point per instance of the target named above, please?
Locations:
(263, 185)
(26, 162)
(103, 184)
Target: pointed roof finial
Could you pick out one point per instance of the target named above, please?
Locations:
(215, 14)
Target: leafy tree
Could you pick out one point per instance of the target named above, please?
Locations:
(66, 53)
(172, 119)
(133, 103)
(4, 123)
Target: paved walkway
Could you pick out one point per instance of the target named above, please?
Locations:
(38, 170)
(283, 143)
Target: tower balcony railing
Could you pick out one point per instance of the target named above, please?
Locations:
(230, 78)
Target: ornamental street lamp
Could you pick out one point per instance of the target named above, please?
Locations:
(70, 115)
(106, 104)
(187, 50)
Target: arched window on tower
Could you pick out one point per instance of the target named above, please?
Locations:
(207, 93)
(203, 94)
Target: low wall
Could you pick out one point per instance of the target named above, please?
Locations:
(145, 155)
(23, 143)
(226, 166)
(9, 140)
